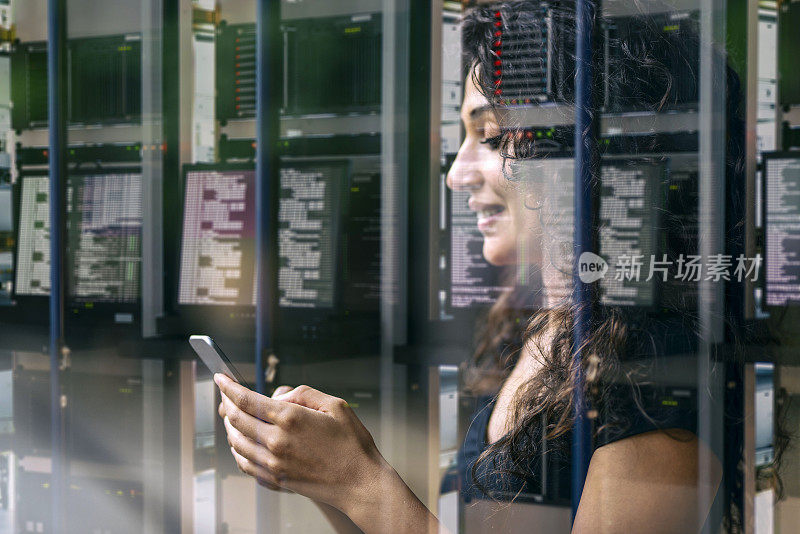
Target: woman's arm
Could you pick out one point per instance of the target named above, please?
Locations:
(315, 445)
(647, 483)
(337, 519)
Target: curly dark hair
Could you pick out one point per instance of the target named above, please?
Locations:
(624, 344)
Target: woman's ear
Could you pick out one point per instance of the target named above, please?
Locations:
(532, 201)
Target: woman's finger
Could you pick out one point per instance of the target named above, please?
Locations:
(254, 470)
(243, 421)
(268, 485)
(310, 398)
(255, 404)
(280, 390)
(245, 446)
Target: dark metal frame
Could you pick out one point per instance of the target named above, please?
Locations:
(586, 173)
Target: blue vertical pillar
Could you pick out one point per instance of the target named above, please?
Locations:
(56, 106)
(268, 74)
(585, 167)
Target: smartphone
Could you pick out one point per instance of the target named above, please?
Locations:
(211, 355)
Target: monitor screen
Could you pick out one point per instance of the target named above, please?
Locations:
(33, 246)
(328, 235)
(668, 78)
(332, 64)
(104, 237)
(473, 281)
(476, 283)
(104, 225)
(782, 229)
(308, 228)
(218, 253)
(629, 221)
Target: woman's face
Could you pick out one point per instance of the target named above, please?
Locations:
(508, 227)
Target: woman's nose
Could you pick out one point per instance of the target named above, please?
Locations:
(464, 176)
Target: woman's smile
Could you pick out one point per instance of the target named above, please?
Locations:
(489, 215)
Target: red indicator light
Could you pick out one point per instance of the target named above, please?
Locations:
(498, 91)
(498, 82)
(497, 62)
(497, 43)
(498, 33)
(529, 135)
(498, 24)
(44, 153)
(498, 72)
(498, 52)
(497, 14)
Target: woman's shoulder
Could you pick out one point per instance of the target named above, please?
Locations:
(630, 409)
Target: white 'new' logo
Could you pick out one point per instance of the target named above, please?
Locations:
(591, 267)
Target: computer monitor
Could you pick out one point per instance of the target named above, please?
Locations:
(329, 246)
(332, 64)
(218, 251)
(104, 237)
(631, 199)
(658, 56)
(104, 77)
(782, 228)
(630, 202)
(33, 241)
(103, 251)
(216, 293)
(328, 254)
(473, 281)
(308, 228)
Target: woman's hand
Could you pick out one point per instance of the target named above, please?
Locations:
(305, 441)
(280, 390)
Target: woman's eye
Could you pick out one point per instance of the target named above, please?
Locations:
(493, 142)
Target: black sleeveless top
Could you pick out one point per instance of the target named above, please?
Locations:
(546, 475)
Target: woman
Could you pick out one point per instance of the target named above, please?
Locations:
(643, 475)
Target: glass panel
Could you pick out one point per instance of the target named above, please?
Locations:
(427, 352)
